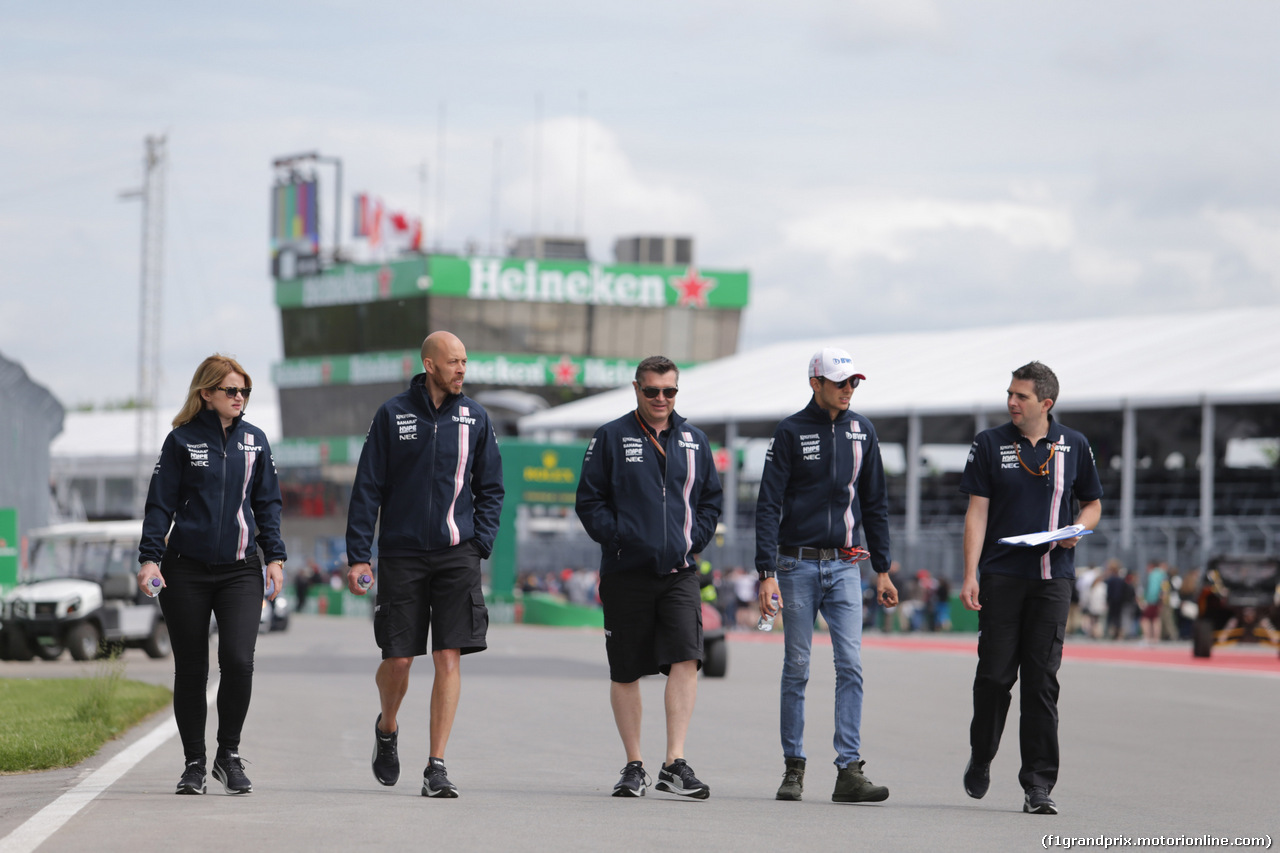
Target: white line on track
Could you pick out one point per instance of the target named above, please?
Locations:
(52, 817)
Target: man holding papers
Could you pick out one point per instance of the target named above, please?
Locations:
(1023, 478)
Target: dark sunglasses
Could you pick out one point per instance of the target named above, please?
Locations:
(652, 393)
(851, 382)
(231, 391)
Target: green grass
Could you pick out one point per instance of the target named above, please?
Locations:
(46, 723)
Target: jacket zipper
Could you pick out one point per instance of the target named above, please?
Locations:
(222, 499)
(833, 476)
(431, 478)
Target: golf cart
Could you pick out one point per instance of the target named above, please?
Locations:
(1239, 603)
(79, 592)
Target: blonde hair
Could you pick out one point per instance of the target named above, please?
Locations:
(209, 375)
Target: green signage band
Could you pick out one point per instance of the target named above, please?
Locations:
(351, 284)
(8, 548)
(519, 280)
(483, 368)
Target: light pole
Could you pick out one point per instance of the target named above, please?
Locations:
(150, 301)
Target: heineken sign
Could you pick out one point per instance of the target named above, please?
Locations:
(483, 368)
(580, 283)
(519, 280)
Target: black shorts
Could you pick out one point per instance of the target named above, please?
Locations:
(439, 591)
(650, 622)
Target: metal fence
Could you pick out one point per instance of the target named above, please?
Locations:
(938, 548)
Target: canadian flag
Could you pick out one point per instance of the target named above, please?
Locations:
(387, 230)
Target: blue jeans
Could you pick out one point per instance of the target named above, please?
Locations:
(834, 589)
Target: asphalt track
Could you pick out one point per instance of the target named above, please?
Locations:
(1153, 744)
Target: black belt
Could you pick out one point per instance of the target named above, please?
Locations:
(801, 552)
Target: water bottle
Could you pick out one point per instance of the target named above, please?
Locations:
(766, 619)
(364, 582)
(153, 588)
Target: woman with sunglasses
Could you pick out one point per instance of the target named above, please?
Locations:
(215, 485)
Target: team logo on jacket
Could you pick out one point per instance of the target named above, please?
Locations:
(855, 435)
(248, 444)
(687, 441)
(633, 448)
(407, 427)
(199, 454)
(811, 447)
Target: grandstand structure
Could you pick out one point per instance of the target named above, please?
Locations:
(1157, 395)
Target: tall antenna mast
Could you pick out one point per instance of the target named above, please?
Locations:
(439, 194)
(582, 161)
(150, 304)
(537, 162)
(494, 249)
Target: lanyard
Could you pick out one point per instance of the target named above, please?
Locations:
(649, 434)
(1043, 470)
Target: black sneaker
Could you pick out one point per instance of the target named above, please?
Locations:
(228, 768)
(192, 781)
(977, 778)
(435, 783)
(386, 759)
(1037, 802)
(633, 782)
(677, 778)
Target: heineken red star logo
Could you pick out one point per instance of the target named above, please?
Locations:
(384, 282)
(692, 289)
(566, 372)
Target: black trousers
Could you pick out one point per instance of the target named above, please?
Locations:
(233, 594)
(1021, 626)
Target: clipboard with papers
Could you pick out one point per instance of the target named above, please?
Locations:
(1030, 540)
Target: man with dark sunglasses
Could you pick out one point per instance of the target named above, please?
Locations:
(823, 481)
(1029, 475)
(650, 495)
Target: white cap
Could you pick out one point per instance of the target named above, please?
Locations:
(834, 364)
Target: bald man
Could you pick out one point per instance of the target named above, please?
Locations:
(430, 465)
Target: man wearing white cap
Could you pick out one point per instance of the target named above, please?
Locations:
(823, 481)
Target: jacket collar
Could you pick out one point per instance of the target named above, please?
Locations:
(418, 388)
(817, 413)
(209, 418)
(676, 421)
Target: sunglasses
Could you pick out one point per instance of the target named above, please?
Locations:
(652, 393)
(231, 391)
(851, 382)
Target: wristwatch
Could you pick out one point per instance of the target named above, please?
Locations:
(769, 573)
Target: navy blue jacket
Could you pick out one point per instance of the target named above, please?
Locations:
(1024, 503)
(435, 474)
(216, 489)
(646, 518)
(822, 480)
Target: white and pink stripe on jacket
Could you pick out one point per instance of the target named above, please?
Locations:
(687, 492)
(1059, 484)
(242, 537)
(853, 489)
(459, 476)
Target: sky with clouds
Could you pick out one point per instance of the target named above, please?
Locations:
(896, 165)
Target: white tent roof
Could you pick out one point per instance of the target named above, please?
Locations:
(1227, 356)
(115, 433)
